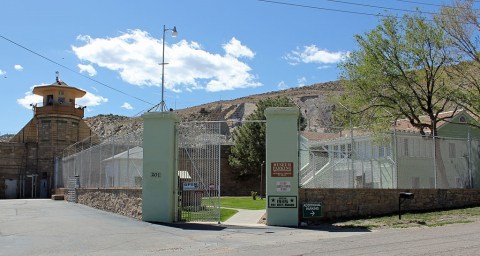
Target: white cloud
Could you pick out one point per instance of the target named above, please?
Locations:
(312, 54)
(30, 99)
(235, 49)
(127, 105)
(282, 85)
(301, 81)
(87, 68)
(89, 100)
(135, 56)
(18, 67)
(323, 67)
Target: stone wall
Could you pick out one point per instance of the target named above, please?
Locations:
(355, 203)
(122, 201)
(12, 164)
(231, 185)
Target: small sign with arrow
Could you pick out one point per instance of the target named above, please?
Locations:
(312, 210)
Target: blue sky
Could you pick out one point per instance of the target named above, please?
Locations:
(225, 49)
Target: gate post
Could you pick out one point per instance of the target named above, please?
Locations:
(282, 166)
(159, 167)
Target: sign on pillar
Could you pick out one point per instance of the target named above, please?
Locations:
(282, 166)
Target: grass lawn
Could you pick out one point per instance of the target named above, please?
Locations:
(429, 219)
(227, 207)
(242, 202)
(225, 214)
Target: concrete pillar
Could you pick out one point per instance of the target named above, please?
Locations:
(159, 167)
(282, 166)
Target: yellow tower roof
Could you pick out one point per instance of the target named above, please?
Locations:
(46, 89)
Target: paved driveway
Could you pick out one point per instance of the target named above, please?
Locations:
(45, 227)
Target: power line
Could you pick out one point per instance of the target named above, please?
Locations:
(346, 11)
(430, 4)
(325, 9)
(379, 7)
(72, 70)
(421, 3)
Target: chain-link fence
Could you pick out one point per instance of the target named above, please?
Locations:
(401, 160)
(113, 162)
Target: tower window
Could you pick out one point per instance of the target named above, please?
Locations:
(49, 100)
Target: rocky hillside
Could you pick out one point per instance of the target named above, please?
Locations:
(312, 101)
(6, 137)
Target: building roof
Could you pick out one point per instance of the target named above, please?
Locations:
(406, 126)
(316, 136)
(401, 125)
(43, 89)
(132, 153)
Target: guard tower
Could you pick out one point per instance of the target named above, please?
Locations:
(56, 124)
(58, 99)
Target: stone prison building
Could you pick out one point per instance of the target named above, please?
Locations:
(29, 162)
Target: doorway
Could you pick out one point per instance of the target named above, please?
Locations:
(10, 188)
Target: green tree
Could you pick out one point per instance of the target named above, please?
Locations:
(248, 151)
(399, 72)
(461, 24)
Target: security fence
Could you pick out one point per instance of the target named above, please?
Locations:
(402, 160)
(199, 146)
(113, 162)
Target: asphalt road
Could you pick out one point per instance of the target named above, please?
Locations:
(45, 227)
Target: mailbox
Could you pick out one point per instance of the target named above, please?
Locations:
(401, 198)
(406, 195)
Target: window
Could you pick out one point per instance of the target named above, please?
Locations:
(74, 132)
(60, 92)
(381, 151)
(45, 133)
(415, 182)
(61, 100)
(61, 130)
(49, 100)
(335, 151)
(462, 119)
(405, 147)
(342, 149)
(451, 150)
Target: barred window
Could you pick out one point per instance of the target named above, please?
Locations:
(61, 130)
(45, 132)
(381, 151)
(74, 132)
(405, 147)
(451, 150)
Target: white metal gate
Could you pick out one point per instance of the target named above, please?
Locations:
(199, 149)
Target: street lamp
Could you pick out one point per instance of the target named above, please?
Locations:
(174, 34)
